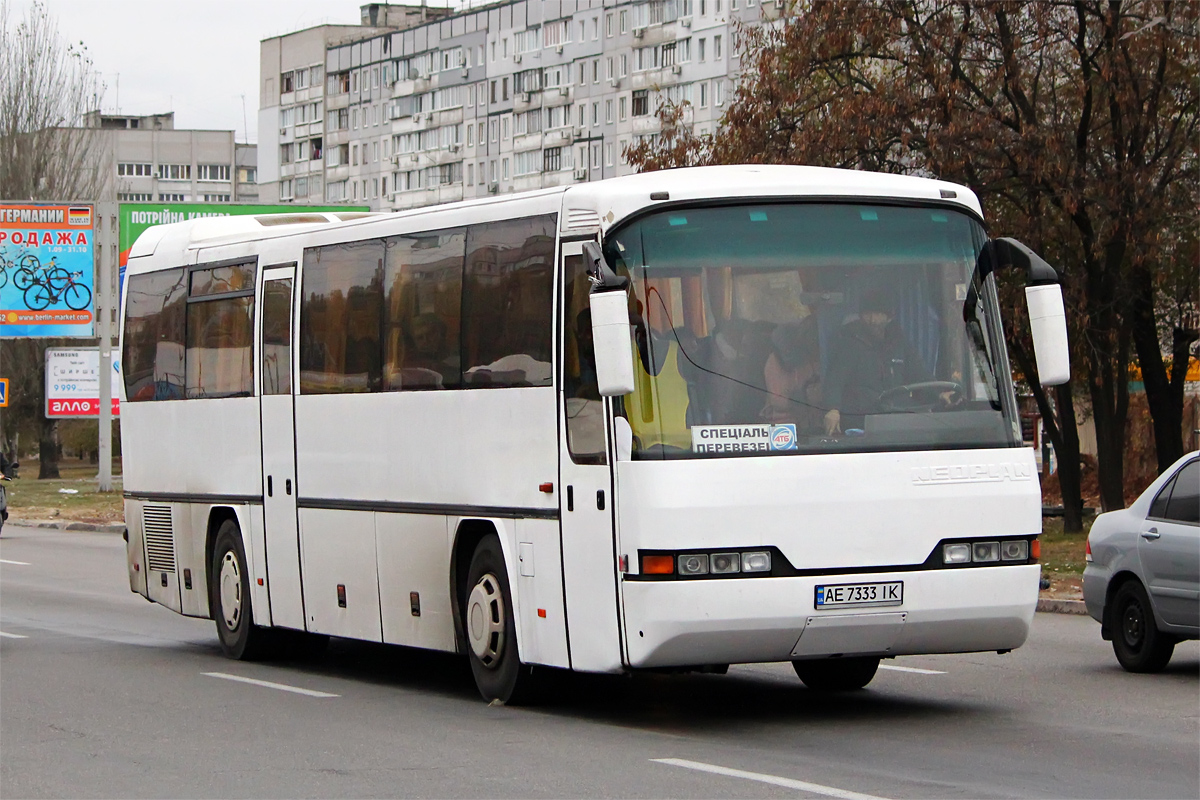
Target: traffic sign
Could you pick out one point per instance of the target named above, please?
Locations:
(3, 392)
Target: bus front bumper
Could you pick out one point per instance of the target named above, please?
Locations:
(685, 623)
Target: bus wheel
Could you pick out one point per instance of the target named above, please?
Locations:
(490, 632)
(229, 590)
(836, 674)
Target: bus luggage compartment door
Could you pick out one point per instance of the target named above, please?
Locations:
(849, 634)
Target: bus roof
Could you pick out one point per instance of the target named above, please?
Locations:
(588, 206)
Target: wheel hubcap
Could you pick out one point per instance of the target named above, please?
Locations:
(231, 591)
(485, 621)
(1132, 625)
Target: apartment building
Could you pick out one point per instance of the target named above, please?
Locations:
(405, 111)
(153, 162)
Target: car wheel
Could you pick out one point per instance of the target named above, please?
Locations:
(1138, 643)
(490, 633)
(229, 587)
(836, 674)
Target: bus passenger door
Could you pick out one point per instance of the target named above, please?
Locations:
(585, 474)
(279, 449)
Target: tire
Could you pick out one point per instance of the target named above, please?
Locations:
(229, 594)
(24, 278)
(30, 262)
(489, 630)
(1138, 643)
(38, 296)
(77, 296)
(836, 674)
(3, 277)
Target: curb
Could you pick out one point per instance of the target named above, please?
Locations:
(67, 525)
(1057, 606)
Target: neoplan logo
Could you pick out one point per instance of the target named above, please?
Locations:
(972, 473)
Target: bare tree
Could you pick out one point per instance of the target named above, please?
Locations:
(47, 153)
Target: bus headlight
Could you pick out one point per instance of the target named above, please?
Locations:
(725, 563)
(985, 551)
(956, 553)
(693, 565)
(1014, 550)
(758, 561)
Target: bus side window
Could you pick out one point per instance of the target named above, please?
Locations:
(422, 314)
(155, 315)
(507, 302)
(340, 312)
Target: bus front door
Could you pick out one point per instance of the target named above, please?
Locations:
(585, 474)
(279, 449)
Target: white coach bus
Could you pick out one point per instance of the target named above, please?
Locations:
(676, 420)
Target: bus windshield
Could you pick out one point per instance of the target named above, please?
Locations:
(810, 327)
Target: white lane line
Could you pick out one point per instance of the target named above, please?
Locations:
(912, 669)
(12, 635)
(774, 780)
(18, 563)
(269, 685)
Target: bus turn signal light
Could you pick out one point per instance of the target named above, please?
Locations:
(658, 565)
(1035, 549)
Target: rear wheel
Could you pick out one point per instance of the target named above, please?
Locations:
(490, 632)
(836, 674)
(229, 590)
(1138, 643)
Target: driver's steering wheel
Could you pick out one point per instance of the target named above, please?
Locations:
(924, 396)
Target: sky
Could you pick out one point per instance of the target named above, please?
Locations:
(198, 58)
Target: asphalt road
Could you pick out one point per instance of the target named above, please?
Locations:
(105, 695)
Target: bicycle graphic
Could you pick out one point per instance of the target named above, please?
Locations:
(33, 272)
(41, 295)
(15, 263)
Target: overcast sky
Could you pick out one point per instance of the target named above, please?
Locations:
(198, 58)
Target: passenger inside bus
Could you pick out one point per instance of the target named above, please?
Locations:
(792, 377)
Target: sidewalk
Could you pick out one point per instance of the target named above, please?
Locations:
(1055, 605)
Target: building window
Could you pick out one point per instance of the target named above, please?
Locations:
(212, 172)
(625, 21)
(608, 25)
(622, 108)
(216, 198)
(552, 159)
(608, 111)
(716, 47)
(134, 171)
(608, 154)
(172, 198)
(135, 197)
(174, 172)
(287, 83)
(641, 103)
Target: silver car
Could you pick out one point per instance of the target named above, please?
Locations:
(1142, 581)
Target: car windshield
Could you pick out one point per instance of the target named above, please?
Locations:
(799, 328)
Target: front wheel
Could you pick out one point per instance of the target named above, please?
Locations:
(1138, 643)
(836, 674)
(490, 631)
(77, 296)
(229, 589)
(23, 278)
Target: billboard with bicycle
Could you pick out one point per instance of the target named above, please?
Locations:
(46, 270)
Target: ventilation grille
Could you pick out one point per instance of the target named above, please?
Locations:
(582, 218)
(160, 539)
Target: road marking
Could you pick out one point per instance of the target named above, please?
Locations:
(12, 635)
(269, 685)
(18, 563)
(774, 780)
(912, 669)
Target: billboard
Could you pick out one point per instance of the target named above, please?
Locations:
(135, 218)
(47, 270)
(73, 383)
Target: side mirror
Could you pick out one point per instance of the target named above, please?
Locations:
(612, 343)
(1048, 323)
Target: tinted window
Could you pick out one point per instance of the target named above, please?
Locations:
(1185, 497)
(155, 312)
(422, 315)
(340, 318)
(277, 337)
(1158, 509)
(220, 332)
(507, 300)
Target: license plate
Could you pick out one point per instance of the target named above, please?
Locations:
(845, 595)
